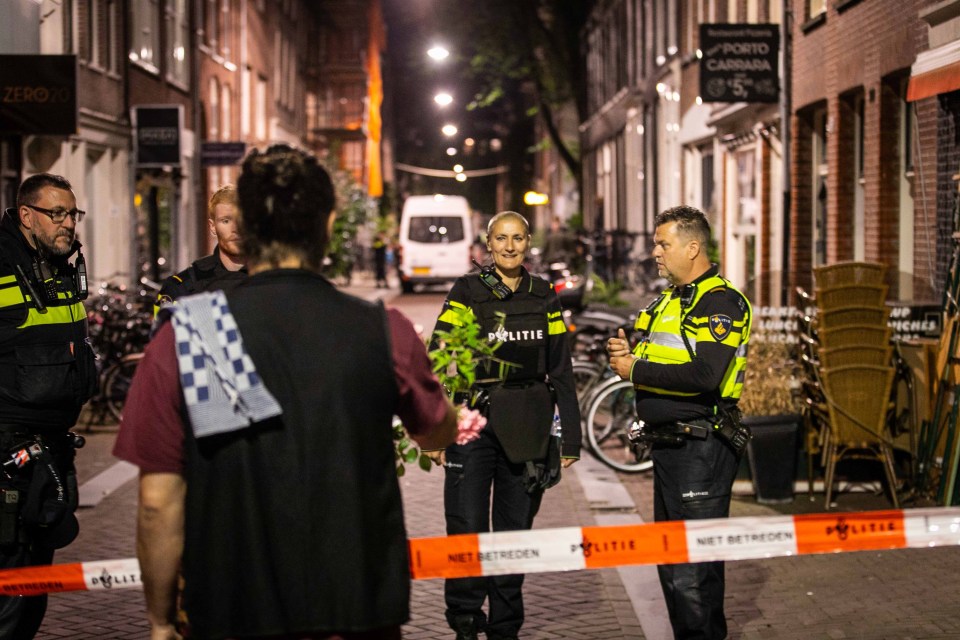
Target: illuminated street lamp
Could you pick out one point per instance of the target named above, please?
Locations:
(461, 177)
(458, 168)
(438, 52)
(534, 198)
(449, 130)
(443, 98)
(451, 151)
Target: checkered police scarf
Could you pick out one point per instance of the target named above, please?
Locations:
(221, 386)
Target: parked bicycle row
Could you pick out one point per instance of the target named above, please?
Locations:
(119, 323)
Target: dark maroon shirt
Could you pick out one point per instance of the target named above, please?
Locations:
(151, 434)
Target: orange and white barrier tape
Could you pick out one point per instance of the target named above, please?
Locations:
(79, 576)
(575, 548)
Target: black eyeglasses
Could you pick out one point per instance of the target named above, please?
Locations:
(59, 215)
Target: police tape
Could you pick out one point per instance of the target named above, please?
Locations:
(577, 548)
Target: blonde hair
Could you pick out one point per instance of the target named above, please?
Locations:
(508, 214)
(227, 194)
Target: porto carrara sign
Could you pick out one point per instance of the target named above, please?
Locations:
(739, 62)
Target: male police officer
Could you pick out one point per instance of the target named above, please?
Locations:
(688, 372)
(47, 372)
(225, 267)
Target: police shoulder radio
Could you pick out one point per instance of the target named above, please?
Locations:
(492, 280)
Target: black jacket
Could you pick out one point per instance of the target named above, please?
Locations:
(533, 308)
(205, 274)
(47, 368)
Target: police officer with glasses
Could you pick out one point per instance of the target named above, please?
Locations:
(47, 373)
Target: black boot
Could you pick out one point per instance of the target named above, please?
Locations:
(466, 627)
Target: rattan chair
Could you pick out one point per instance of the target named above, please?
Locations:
(845, 316)
(850, 355)
(854, 335)
(849, 273)
(857, 402)
(861, 295)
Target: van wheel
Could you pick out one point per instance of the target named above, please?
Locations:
(406, 287)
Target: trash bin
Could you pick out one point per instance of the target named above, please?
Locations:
(772, 455)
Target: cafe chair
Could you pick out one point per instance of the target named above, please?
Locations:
(850, 273)
(857, 398)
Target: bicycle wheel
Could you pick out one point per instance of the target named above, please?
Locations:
(609, 417)
(586, 373)
(117, 383)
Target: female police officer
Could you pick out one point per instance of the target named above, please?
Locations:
(523, 313)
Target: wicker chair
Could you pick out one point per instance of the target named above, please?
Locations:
(861, 295)
(850, 273)
(845, 316)
(854, 335)
(857, 398)
(855, 355)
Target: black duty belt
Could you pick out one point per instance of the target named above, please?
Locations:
(698, 429)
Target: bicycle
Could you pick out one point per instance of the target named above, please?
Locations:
(119, 323)
(609, 415)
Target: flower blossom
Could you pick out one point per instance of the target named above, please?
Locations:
(469, 424)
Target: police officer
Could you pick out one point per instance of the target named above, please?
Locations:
(524, 314)
(226, 267)
(47, 372)
(688, 371)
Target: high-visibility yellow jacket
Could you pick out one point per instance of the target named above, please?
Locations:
(676, 324)
(47, 368)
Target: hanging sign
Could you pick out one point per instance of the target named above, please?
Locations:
(739, 63)
(158, 135)
(221, 154)
(38, 94)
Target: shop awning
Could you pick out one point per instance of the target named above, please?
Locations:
(941, 80)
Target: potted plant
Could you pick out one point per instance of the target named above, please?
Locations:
(771, 406)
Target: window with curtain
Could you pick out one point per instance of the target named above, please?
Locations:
(145, 34)
(178, 42)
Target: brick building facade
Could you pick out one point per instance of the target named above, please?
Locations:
(861, 174)
(240, 71)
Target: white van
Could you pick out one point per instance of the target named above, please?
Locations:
(436, 233)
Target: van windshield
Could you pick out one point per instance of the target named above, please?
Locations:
(436, 229)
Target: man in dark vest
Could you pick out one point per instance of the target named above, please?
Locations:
(226, 267)
(273, 404)
(47, 372)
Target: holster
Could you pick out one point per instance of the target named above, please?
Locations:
(540, 475)
(39, 504)
(674, 433)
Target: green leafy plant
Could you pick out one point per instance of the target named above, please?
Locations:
(406, 450)
(607, 293)
(354, 208)
(461, 350)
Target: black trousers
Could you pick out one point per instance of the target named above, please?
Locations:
(20, 616)
(693, 481)
(472, 471)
